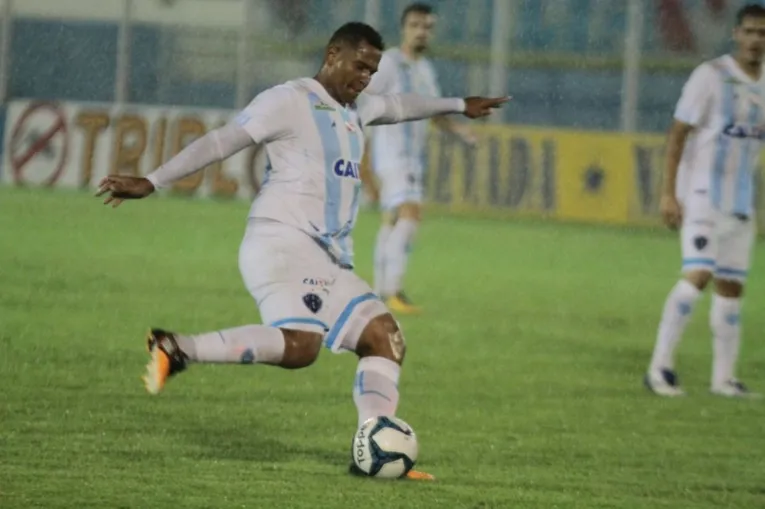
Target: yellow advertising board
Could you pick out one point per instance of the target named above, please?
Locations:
(594, 177)
(563, 174)
(509, 170)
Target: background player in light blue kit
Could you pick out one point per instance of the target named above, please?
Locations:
(398, 153)
(712, 156)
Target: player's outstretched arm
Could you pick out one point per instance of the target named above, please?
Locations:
(214, 146)
(395, 108)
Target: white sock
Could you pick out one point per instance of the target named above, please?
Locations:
(677, 311)
(243, 345)
(724, 319)
(375, 390)
(380, 247)
(397, 254)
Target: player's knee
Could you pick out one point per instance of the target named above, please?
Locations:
(301, 348)
(382, 337)
(409, 210)
(699, 278)
(728, 288)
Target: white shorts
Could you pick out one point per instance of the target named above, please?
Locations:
(399, 185)
(717, 242)
(298, 286)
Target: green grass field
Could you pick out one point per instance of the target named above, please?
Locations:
(523, 379)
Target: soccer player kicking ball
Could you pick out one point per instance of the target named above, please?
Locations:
(712, 153)
(296, 258)
(398, 153)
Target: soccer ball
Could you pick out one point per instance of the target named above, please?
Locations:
(385, 447)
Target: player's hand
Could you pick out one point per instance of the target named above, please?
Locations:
(476, 107)
(671, 211)
(122, 188)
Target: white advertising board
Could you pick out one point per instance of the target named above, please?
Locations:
(73, 145)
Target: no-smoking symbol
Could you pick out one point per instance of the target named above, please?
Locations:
(39, 145)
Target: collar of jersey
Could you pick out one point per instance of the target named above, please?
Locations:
(317, 87)
(407, 60)
(737, 72)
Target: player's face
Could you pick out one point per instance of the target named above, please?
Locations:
(750, 39)
(417, 31)
(352, 69)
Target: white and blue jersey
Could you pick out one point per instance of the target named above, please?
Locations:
(727, 110)
(314, 147)
(402, 146)
(307, 207)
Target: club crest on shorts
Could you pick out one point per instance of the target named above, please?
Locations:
(700, 242)
(312, 302)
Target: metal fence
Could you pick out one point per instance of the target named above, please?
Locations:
(587, 64)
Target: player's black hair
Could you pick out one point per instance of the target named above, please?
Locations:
(417, 7)
(750, 11)
(354, 33)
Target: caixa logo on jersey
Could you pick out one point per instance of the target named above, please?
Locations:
(745, 131)
(347, 168)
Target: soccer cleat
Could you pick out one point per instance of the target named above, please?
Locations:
(663, 383)
(734, 389)
(167, 359)
(400, 303)
(413, 475)
(416, 475)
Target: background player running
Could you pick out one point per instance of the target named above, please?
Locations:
(398, 153)
(296, 257)
(712, 153)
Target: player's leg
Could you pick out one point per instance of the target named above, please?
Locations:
(381, 349)
(171, 352)
(401, 198)
(290, 304)
(699, 248)
(407, 220)
(365, 326)
(360, 323)
(661, 377)
(736, 243)
(392, 192)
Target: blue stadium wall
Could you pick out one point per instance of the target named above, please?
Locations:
(75, 61)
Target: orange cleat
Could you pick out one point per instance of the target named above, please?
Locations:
(413, 475)
(166, 360)
(416, 475)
